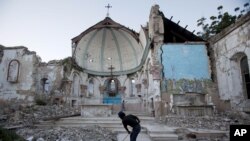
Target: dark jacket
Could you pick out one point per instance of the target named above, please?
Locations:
(130, 120)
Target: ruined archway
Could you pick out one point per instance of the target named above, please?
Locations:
(240, 74)
(245, 76)
(45, 84)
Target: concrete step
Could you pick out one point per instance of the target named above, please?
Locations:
(151, 130)
(113, 117)
(141, 137)
(117, 127)
(104, 121)
(137, 113)
(159, 132)
(163, 137)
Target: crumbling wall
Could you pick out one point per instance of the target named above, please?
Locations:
(156, 34)
(186, 69)
(53, 71)
(23, 86)
(30, 71)
(226, 46)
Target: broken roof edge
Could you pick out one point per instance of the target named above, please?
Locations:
(182, 29)
(18, 47)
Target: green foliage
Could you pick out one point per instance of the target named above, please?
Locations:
(70, 64)
(219, 22)
(7, 135)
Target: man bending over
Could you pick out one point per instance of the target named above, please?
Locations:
(132, 121)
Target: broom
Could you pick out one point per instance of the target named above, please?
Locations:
(125, 137)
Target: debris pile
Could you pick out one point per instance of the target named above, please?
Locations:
(29, 115)
(88, 133)
(220, 121)
(189, 135)
(22, 117)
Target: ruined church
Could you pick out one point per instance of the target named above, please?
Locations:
(163, 68)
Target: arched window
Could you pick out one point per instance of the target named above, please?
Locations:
(76, 85)
(13, 71)
(245, 75)
(91, 87)
(133, 88)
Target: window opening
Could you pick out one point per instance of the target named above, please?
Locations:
(245, 76)
(45, 85)
(91, 87)
(132, 92)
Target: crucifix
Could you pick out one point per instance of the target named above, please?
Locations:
(111, 70)
(108, 6)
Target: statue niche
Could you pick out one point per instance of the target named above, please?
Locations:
(112, 88)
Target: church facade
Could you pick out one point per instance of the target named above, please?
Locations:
(164, 68)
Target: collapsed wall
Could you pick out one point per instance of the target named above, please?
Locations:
(23, 75)
(231, 50)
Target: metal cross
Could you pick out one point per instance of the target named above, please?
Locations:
(108, 6)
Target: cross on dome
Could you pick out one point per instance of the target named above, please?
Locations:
(108, 6)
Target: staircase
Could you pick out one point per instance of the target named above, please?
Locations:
(151, 130)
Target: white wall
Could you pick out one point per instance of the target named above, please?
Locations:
(24, 87)
(226, 47)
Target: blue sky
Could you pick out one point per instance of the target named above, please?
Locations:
(47, 26)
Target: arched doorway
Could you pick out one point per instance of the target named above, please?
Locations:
(45, 85)
(240, 85)
(245, 76)
(111, 94)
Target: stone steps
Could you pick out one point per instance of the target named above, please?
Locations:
(163, 137)
(137, 113)
(113, 123)
(141, 137)
(159, 132)
(151, 130)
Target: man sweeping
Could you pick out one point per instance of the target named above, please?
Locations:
(132, 121)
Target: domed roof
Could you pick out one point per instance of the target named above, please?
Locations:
(107, 43)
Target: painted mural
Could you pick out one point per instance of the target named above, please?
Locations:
(185, 68)
(186, 86)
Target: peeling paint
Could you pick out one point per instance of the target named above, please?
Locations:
(229, 49)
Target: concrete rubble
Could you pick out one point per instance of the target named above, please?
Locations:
(206, 128)
(21, 117)
(29, 115)
(89, 133)
(220, 121)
